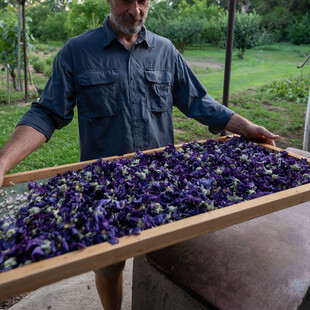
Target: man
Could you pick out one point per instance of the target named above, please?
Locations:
(124, 81)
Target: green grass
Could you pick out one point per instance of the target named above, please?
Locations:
(261, 66)
(62, 148)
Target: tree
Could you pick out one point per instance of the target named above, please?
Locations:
(204, 11)
(279, 15)
(213, 32)
(54, 27)
(8, 46)
(182, 25)
(299, 32)
(86, 15)
(184, 31)
(38, 15)
(246, 31)
(7, 12)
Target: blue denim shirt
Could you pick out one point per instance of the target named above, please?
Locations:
(124, 97)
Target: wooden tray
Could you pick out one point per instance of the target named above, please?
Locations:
(41, 273)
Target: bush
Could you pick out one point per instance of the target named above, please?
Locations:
(267, 37)
(299, 32)
(49, 60)
(294, 89)
(39, 47)
(43, 65)
(47, 70)
(34, 58)
(38, 66)
(54, 27)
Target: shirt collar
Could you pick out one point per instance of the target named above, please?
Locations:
(110, 35)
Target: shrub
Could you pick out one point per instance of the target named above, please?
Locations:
(47, 70)
(267, 37)
(299, 32)
(295, 89)
(34, 58)
(38, 66)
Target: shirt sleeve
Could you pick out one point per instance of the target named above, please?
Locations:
(192, 99)
(54, 109)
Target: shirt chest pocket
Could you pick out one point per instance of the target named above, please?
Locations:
(159, 90)
(98, 93)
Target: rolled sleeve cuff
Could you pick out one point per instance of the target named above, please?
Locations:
(218, 123)
(38, 119)
(211, 113)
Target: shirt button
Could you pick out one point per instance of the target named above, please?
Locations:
(134, 101)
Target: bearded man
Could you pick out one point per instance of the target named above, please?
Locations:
(124, 81)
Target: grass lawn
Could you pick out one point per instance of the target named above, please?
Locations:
(260, 67)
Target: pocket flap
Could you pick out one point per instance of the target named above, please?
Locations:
(97, 77)
(158, 76)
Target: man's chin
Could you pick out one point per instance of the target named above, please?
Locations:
(132, 29)
(131, 25)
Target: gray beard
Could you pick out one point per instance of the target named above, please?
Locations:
(125, 29)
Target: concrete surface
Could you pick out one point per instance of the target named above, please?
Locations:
(76, 293)
(255, 265)
(152, 290)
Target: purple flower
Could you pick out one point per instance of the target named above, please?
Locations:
(110, 199)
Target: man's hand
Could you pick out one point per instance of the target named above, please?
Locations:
(240, 125)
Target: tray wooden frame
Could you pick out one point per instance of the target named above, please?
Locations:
(48, 271)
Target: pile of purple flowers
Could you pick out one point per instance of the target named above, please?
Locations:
(110, 199)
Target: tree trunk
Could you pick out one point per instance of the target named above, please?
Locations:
(182, 48)
(13, 75)
(242, 53)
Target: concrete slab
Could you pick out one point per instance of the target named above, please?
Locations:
(76, 293)
(259, 264)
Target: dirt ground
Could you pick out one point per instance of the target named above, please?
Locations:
(8, 303)
(205, 64)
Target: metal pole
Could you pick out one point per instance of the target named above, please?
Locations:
(229, 48)
(25, 51)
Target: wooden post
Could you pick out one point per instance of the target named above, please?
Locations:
(8, 82)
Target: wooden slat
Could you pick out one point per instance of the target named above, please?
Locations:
(41, 273)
